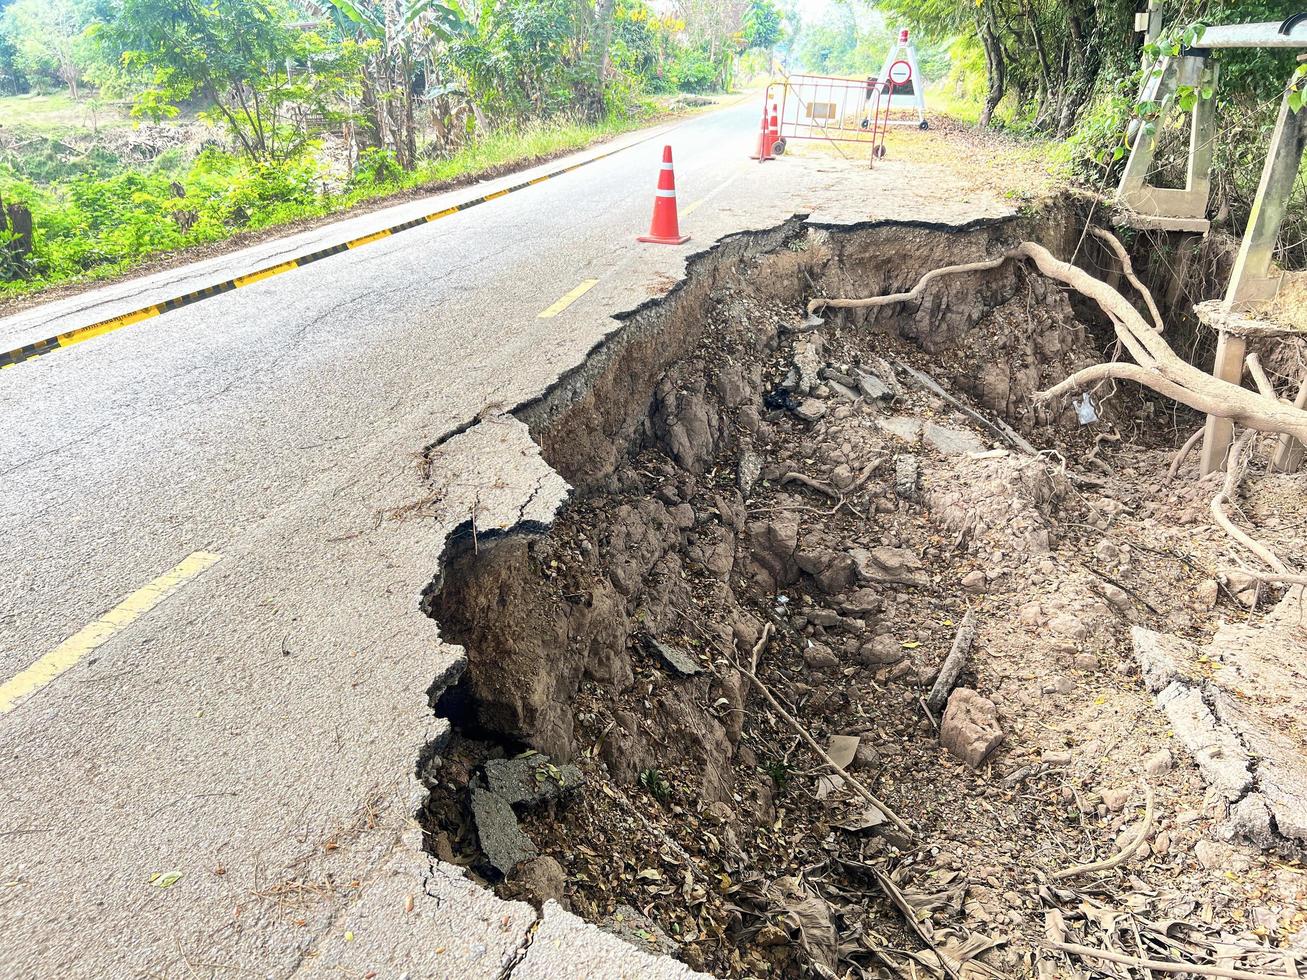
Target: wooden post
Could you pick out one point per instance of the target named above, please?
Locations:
(1219, 433)
(1288, 454)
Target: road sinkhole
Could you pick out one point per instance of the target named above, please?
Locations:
(835, 662)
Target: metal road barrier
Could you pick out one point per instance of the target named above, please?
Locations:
(838, 110)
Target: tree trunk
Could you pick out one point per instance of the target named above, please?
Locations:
(603, 38)
(1086, 58)
(995, 65)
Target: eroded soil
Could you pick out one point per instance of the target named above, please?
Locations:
(796, 501)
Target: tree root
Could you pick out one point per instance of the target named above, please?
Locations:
(1121, 856)
(1183, 453)
(1128, 268)
(1233, 471)
(1158, 367)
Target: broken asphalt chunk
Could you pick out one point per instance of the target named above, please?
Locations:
(501, 839)
(676, 659)
(530, 778)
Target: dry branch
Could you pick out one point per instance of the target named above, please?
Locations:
(1164, 966)
(953, 664)
(802, 732)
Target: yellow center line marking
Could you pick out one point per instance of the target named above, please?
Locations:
(566, 301)
(70, 651)
(690, 207)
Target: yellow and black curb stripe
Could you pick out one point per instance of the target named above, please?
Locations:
(14, 357)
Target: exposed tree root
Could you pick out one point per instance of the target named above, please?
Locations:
(1233, 471)
(1121, 856)
(1128, 268)
(1183, 453)
(1158, 367)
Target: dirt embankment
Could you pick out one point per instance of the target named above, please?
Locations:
(760, 496)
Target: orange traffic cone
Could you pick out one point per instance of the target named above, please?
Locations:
(666, 229)
(763, 153)
(773, 129)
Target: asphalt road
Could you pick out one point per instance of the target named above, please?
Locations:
(200, 790)
(215, 537)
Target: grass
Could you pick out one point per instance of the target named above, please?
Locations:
(492, 154)
(50, 115)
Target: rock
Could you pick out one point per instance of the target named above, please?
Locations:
(808, 363)
(810, 410)
(1215, 856)
(719, 812)
(1031, 614)
(1206, 593)
(905, 427)
(1158, 763)
(1085, 661)
(501, 839)
(970, 729)
(861, 601)
(677, 660)
(1245, 588)
(841, 477)
(866, 756)
(883, 649)
(772, 545)
(818, 656)
(951, 442)
(834, 571)
(1058, 684)
(1068, 631)
(750, 469)
(907, 474)
(1117, 597)
(1115, 799)
(530, 778)
(873, 388)
(1106, 552)
(537, 881)
(975, 581)
(1050, 758)
(884, 564)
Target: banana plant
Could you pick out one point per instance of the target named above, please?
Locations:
(403, 33)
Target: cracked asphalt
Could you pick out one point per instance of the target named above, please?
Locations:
(225, 785)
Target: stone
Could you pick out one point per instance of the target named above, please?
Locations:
(677, 660)
(841, 477)
(1085, 661)
(834, 571)
(975, 581)
(818, 656)
(538, 880)
(1115, 799)
(1058, 684)
(1216, 856)
(808, 363)
(772, 545)
(907, 475)
(970, 729)
(866, 757)
(873, 388)
(861, 601)
(810, 410)
(883, 649)
(748, 472)
(1118, 598)
(501, 839)
(530, 778)
(1245, 588)
(883, 564)
(1069, 632)
(905, 427)
(1052, 758)
(1158, 763)
(951, 442)
(1206, 593)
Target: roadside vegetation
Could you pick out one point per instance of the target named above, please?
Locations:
(1066, 75)
(134, 127)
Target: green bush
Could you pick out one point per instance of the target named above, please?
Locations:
(376, 166)
(693, 71)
